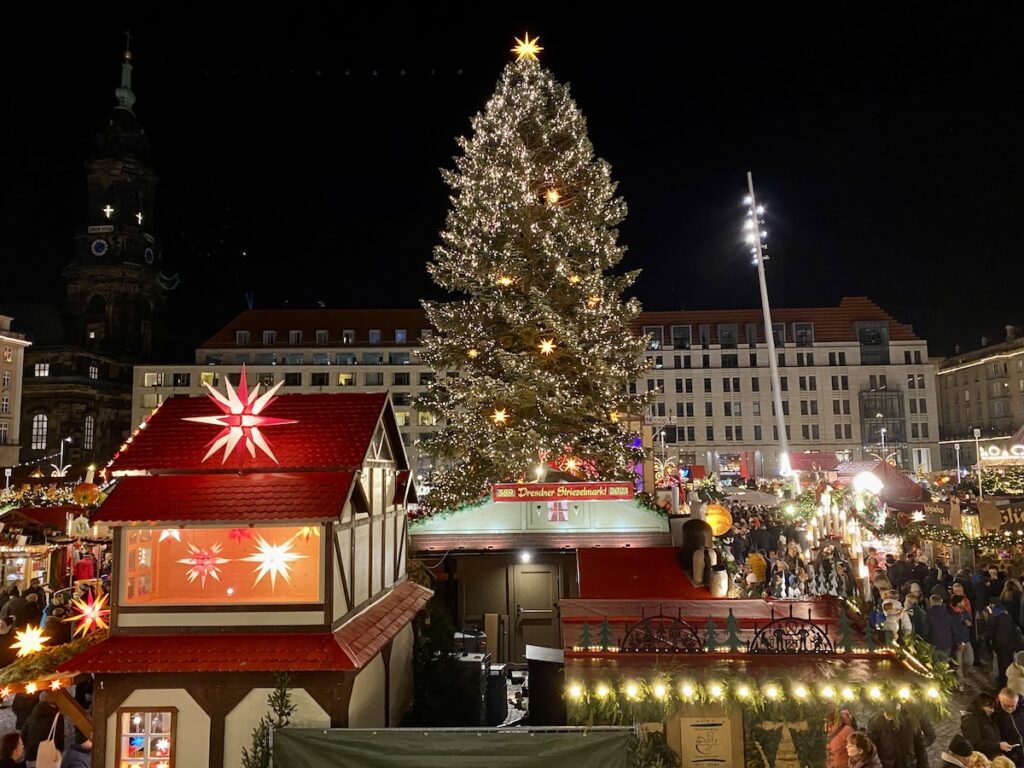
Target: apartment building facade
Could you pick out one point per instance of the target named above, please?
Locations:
(846, 373)
(12, 362)
(984, 390)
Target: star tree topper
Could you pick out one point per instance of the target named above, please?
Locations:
(527, 48)
(241, 420)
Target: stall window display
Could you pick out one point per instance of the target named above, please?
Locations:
(146, 737)
(170, 566)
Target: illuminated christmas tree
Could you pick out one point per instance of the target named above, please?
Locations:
(538, 333)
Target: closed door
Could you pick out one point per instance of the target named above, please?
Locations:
(535, 594)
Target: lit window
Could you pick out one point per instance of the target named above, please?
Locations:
(348, 337)
(39, 425)
(42, 369)
(426, 419)
(374, 336)
(89, 432)
(8, 354)
(402, 418)
(153, 379)
(145, 737)
(209, 378)
(94, 371)
(400, 336)
(219, 566)
(346, 379)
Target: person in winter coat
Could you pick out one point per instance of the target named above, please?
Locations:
(861, 752)
(962, 651)
(1004, 636)
(33, 611)
(15, 606)
(959, 752)
(1009, 719)
(839, 731)
(897, 737)
(978, 727)
(918, 616)
(1010, 597)
(22, 707)
(79, 754)
(940, 627)
(37, 727)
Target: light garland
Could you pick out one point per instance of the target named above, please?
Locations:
(600, 700)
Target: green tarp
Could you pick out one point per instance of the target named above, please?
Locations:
(412, 748)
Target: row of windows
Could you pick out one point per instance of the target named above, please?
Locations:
(735, 409)
(322, 336)
(802, 359)
(294, 379)
(40, 427)
(996, 369)
(317, 358)
(734, 433)
(681, 336)
(42, 370)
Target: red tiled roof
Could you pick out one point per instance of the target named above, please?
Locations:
(47, 517)
(813, 462)
(309, 321)
(332, 432)
(284, 652)
(363, 636)
(209, 497)
(830, 323)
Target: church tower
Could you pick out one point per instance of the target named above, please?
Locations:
(114, 298)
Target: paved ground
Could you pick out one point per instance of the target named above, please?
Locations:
(978, 680)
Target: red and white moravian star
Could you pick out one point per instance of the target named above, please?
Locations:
(241, 420)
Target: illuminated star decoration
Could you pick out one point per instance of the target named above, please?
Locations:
(55, 685)
(527, 48)
(571, 465)
(241, 420)
(163, 747)
(31, 688)
(274, 559)
(307, 531)
(89, 614)
(553, 196)
(500, 416)
(472, 353)
(547, 347)
(30, 641)
(504, 281)
(204, 562)
(169, 533)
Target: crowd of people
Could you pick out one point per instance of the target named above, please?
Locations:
(40, 730)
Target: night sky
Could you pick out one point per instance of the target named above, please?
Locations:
(886, 143)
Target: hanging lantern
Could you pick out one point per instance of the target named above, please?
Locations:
(719, 518)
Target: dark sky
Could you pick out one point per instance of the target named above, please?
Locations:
(886, 142)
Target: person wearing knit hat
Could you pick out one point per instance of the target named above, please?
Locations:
(959, 751)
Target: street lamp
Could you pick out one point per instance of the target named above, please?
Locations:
(754, 237)
(956, 447)
(883, 430)
(977, 455)
(61, 469)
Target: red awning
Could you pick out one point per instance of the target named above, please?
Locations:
(54, 518)
(221, 497)
(352, 646)
(813, 462)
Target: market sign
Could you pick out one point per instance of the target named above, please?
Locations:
(999, 517)
(562, 491)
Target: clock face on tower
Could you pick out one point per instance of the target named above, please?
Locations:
(99, 247)
(148, 253)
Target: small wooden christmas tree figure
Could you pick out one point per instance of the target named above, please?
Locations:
(605, 640)
(710, 641)
(732, 634)
(586, 641)
(845, 632)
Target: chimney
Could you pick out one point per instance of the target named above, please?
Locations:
(1011, 332)
(984, 341)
